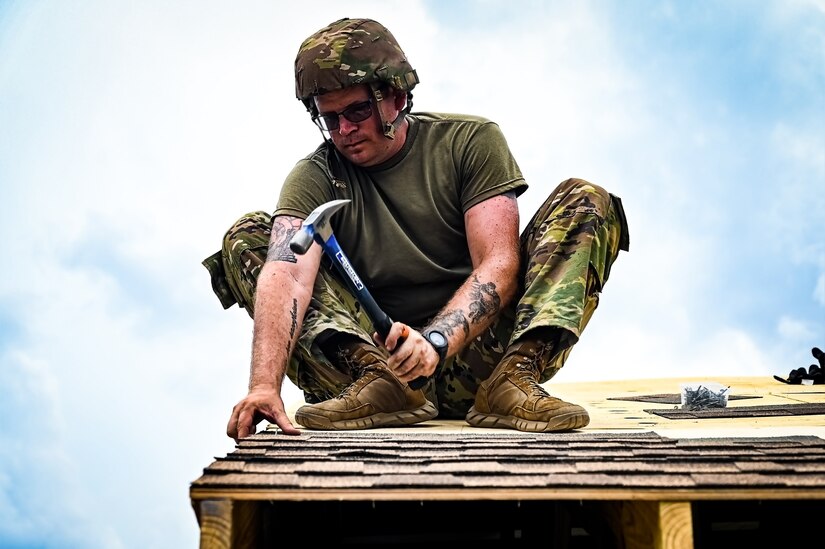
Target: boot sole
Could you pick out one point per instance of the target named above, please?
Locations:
(383, 419)
(561, 422)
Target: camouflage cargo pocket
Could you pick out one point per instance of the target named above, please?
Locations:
(234, 270)
(214, 264)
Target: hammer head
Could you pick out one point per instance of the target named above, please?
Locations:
(315, 226)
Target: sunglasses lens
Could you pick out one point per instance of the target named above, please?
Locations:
(359, 112)
(354, 113)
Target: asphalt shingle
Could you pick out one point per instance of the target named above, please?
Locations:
(382, 460)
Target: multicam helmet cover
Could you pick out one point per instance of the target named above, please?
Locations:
(349, 52)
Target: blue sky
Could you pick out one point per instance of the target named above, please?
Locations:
(134, 134)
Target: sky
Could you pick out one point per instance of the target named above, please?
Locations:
(133, 134)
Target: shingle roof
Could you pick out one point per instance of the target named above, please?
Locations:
(376, 461)
(770, 410)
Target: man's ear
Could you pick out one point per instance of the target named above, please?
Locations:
(400, 100)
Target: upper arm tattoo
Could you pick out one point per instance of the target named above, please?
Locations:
(283, 228)
(485, 300)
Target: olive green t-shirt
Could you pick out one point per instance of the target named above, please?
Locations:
(404, 228)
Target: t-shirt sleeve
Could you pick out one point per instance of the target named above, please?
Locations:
(488, 167)
(305, 188)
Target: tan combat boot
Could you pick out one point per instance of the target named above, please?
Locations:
(512, 397)
(375, 399)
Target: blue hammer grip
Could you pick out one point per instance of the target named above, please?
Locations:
(379, 318)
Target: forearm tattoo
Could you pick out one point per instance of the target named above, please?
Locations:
(447, 321)
(294, 314)
(282, 231)
(485, 300)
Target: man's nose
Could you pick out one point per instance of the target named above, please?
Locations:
(345, 127)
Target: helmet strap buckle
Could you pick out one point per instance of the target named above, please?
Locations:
(387, 127)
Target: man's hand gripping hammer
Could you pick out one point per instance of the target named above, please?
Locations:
(316, 227)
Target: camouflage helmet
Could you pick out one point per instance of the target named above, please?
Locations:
(349, 52)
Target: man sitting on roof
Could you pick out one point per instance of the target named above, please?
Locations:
(432, 230)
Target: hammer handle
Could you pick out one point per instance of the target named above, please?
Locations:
(380, 320)
(418, 382)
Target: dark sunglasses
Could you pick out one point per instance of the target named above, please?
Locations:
(358, 112)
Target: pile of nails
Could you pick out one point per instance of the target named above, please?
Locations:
(702, 398)
(814, 375)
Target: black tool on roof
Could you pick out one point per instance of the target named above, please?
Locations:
(814, 375)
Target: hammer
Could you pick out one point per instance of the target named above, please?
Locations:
(316, 227)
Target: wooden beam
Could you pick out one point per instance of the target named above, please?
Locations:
(651, 524)
(215, 519)
(227, 524)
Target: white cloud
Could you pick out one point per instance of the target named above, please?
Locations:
(797, 198)
(632, 351)
(793, 329)
(802, 5)
(804, 146)
(34, 464)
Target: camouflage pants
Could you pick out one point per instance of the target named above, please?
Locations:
(567, 250)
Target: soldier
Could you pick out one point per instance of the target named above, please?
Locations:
(432, 229)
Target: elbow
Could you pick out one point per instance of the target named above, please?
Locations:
(509, 280)
(509, 289)
(277, 278)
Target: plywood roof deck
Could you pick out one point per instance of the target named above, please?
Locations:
(609, 413)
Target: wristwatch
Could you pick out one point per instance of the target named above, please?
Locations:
(439, 343)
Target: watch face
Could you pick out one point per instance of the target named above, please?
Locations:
(437, 339)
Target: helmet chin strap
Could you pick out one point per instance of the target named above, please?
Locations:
(388, 127)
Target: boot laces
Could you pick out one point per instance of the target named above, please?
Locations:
(363, 373)
(528, 372)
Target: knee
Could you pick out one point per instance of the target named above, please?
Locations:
(581, 193)
(250, 231)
